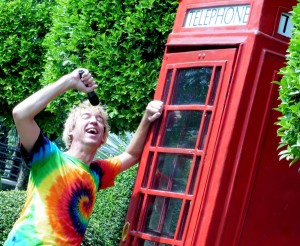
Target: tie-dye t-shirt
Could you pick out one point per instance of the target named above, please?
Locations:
(60, 196)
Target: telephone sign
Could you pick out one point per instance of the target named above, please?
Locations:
(285, 25)
(232, 15)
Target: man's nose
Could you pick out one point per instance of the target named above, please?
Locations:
(93, 119)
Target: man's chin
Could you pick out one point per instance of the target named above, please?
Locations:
(94, 143)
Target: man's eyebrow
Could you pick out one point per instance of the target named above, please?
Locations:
(97, 116)
(85, 113)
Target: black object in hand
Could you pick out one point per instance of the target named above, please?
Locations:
(92, 96)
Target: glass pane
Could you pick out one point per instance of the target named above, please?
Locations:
(191, 85)
(215, 86)
(182, 129)
(149, 243)
(164, 99)
(172, 172)
(204, 130)
(194, 176)
(147, 171)
(138, 209)
(167, 85)
(184, 218)
(162, 216)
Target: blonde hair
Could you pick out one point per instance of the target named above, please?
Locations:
(75, 112)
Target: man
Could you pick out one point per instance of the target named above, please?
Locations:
(62, 185)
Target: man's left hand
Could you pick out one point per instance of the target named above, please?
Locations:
(154, 110)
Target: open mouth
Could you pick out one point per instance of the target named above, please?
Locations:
(92, 131)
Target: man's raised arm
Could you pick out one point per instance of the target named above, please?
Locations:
(25, 111)
(134, 150)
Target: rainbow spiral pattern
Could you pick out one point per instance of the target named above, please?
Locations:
(60, 197)
(73, 204)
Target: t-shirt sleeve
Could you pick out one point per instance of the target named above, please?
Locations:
(42, 147)
(110, 169)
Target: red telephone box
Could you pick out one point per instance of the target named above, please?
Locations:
(210, 172)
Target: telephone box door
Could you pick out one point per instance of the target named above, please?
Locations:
(176, 162)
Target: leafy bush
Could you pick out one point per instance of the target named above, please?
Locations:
(11, 203)
(289, 95)
(23, 26)
(120, 42)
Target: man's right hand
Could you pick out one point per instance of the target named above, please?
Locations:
(25, 111)
(85, 84)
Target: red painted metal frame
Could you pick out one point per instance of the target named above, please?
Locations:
(226, 208)
(215, 58)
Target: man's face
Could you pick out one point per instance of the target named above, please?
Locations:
(88, 129)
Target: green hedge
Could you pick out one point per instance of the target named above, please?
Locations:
(289, 96)
(11, 203)
(106, 224)
(121, 42)
(23, 26)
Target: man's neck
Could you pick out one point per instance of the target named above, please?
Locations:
(85, 155)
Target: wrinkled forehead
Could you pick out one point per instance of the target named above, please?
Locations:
(83, 113)
(89, 111)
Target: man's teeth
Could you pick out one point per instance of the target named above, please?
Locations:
(92, 131)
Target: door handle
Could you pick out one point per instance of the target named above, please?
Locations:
(125, 231)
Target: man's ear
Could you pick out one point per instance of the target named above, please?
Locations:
(101, 142)
(70, 136)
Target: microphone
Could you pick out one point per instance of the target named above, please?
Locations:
(92, 96)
